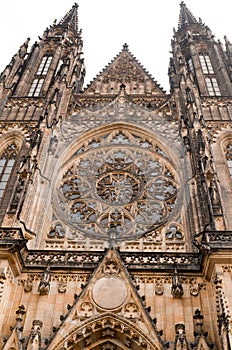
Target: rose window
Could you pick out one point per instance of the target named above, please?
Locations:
(118, 183)
(117, 190)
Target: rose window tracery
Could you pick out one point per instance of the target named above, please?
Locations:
(114, 188)
(118, 183)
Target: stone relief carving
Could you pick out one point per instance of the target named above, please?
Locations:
(86, 310)
(177, 288)
(62, 280)
(159, 287)
(62, 286)
(131, 311)
(34, 341)
(44, 285)
(28, 285)
(111, 268)
(2, 282)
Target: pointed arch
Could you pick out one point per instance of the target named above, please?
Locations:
(228, 155)
(9, 150)
(222, 139)
(7, 161)
(108, 328)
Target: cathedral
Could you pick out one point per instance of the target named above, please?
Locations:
(115, 199)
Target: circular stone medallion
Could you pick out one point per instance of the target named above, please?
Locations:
(109, 292)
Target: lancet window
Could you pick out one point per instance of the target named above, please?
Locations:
(212, 86)
(190, 65)
(206, 64)
(36, 87)
(229, 157)
(7, 160)
(42, 71)
(210, 80)
(44, 65)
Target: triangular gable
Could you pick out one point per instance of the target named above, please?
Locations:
(108, 311)
(202, 344)
(12, 342)
(124, 69)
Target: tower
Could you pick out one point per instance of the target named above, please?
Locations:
(115, 198)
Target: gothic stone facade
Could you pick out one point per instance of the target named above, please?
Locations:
(116, 216)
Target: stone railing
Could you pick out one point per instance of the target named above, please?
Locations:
(162, 261)
(159, 261)
(218, 239)
(62, 258)
(11, 234)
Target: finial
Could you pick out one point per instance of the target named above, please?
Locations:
(122, 87)
(227, 40)
(125, 47)
(112, 235)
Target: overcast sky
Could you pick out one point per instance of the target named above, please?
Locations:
(146, 25)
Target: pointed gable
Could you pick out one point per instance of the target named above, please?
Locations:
(124, 69)
(12, 342)
(109, 311)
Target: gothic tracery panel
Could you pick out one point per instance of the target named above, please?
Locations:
(117, 186)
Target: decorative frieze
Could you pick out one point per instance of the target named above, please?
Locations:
(43, 282)
(162, 260)
(10, 233)
(219, 238)
(155, 260)
(226, 268)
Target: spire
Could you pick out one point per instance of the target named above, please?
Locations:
(185, 17)
(70, 20)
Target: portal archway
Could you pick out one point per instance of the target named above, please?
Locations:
(110, 332)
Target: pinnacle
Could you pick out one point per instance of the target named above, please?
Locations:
(70, 20)
(186, 17)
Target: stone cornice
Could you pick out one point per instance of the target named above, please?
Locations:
(214, 247)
